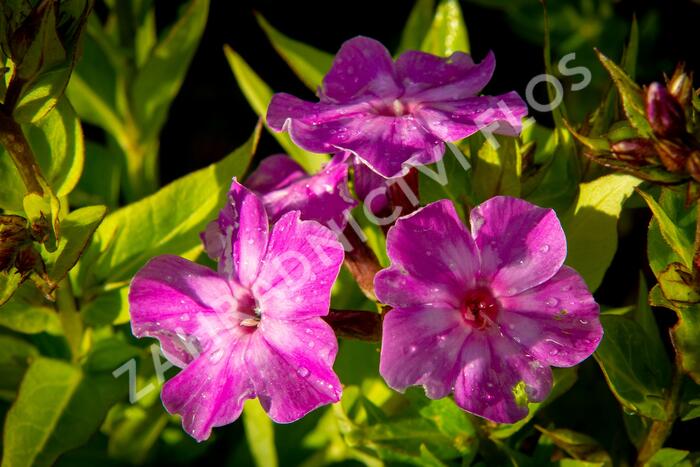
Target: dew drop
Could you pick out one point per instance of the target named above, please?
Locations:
(216, 355)
(311, 344)
(308, 331)
(184, 317)
(544, 248)
(412, 348)
(583, 321)
(303, 372)
(551, 301)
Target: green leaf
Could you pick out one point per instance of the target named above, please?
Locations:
(107, 308)
(669, 457)
(9, 282)
(93, 84)
(168, 221)
(57, 143)
(58, 408)
(591, 225)
(133, 437)
(690, 407)
(28, 312)
(260, 434)
(447, 33)
(76, 231)
(629, 56)
(577, 445)
(674, 234)
(497, 170)
(108, 354)
(258, 95)
(631, 95)
(417, 26)
(159, 80)
(632, 368)
(15, 355)
(308, 63)
(684, 336)
(676, 283)
(101, 177)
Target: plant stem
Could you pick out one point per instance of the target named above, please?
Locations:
(12, 137)
(70, 317)
(356, 324)
(661, 429)
(361, 262)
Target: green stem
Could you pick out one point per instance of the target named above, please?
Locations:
(661, 429)
(70, 317)
(13, 139)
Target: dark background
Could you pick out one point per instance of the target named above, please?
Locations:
(210, 116)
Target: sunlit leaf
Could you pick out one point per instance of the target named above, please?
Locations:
(307, 62)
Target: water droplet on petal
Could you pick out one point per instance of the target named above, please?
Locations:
(412, 348)
(583, 321)
(216, 355)
(311, 344)
(544, 248)
(308, 331)
(184, 317)
(303, 372)
(552, 301)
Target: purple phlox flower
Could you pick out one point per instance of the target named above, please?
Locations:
(484, 313)
(253, 329)
(283, 186)
(371, 188)
(396, 115)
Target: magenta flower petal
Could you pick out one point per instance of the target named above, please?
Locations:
(172, 297)
(274, 173)
(362, 67)
(492, 367)
(370, 187)
(211, 391)
(421, 346)
(521, 245)
(557, 322)
(284, 186)
(428, 78)
(300, 267)
(297, 356)
(454, 120)
(248, 329)
(481, 312)
(394, 116)
(238, 250)
(432, 247)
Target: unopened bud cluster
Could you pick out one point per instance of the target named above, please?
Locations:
(672, 144)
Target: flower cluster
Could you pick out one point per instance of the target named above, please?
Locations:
(481, 312)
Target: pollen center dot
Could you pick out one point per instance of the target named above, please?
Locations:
(479, 308)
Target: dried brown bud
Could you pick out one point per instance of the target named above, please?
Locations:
(639, 151)
(672, 155)
(29, 260)
(681, 86)
(13, 234)
(692, 165)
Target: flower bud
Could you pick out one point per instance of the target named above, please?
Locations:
(681, 86)
(673, 155)
(692, 165)
(639, 151)
(664, 113)
(13, 234)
